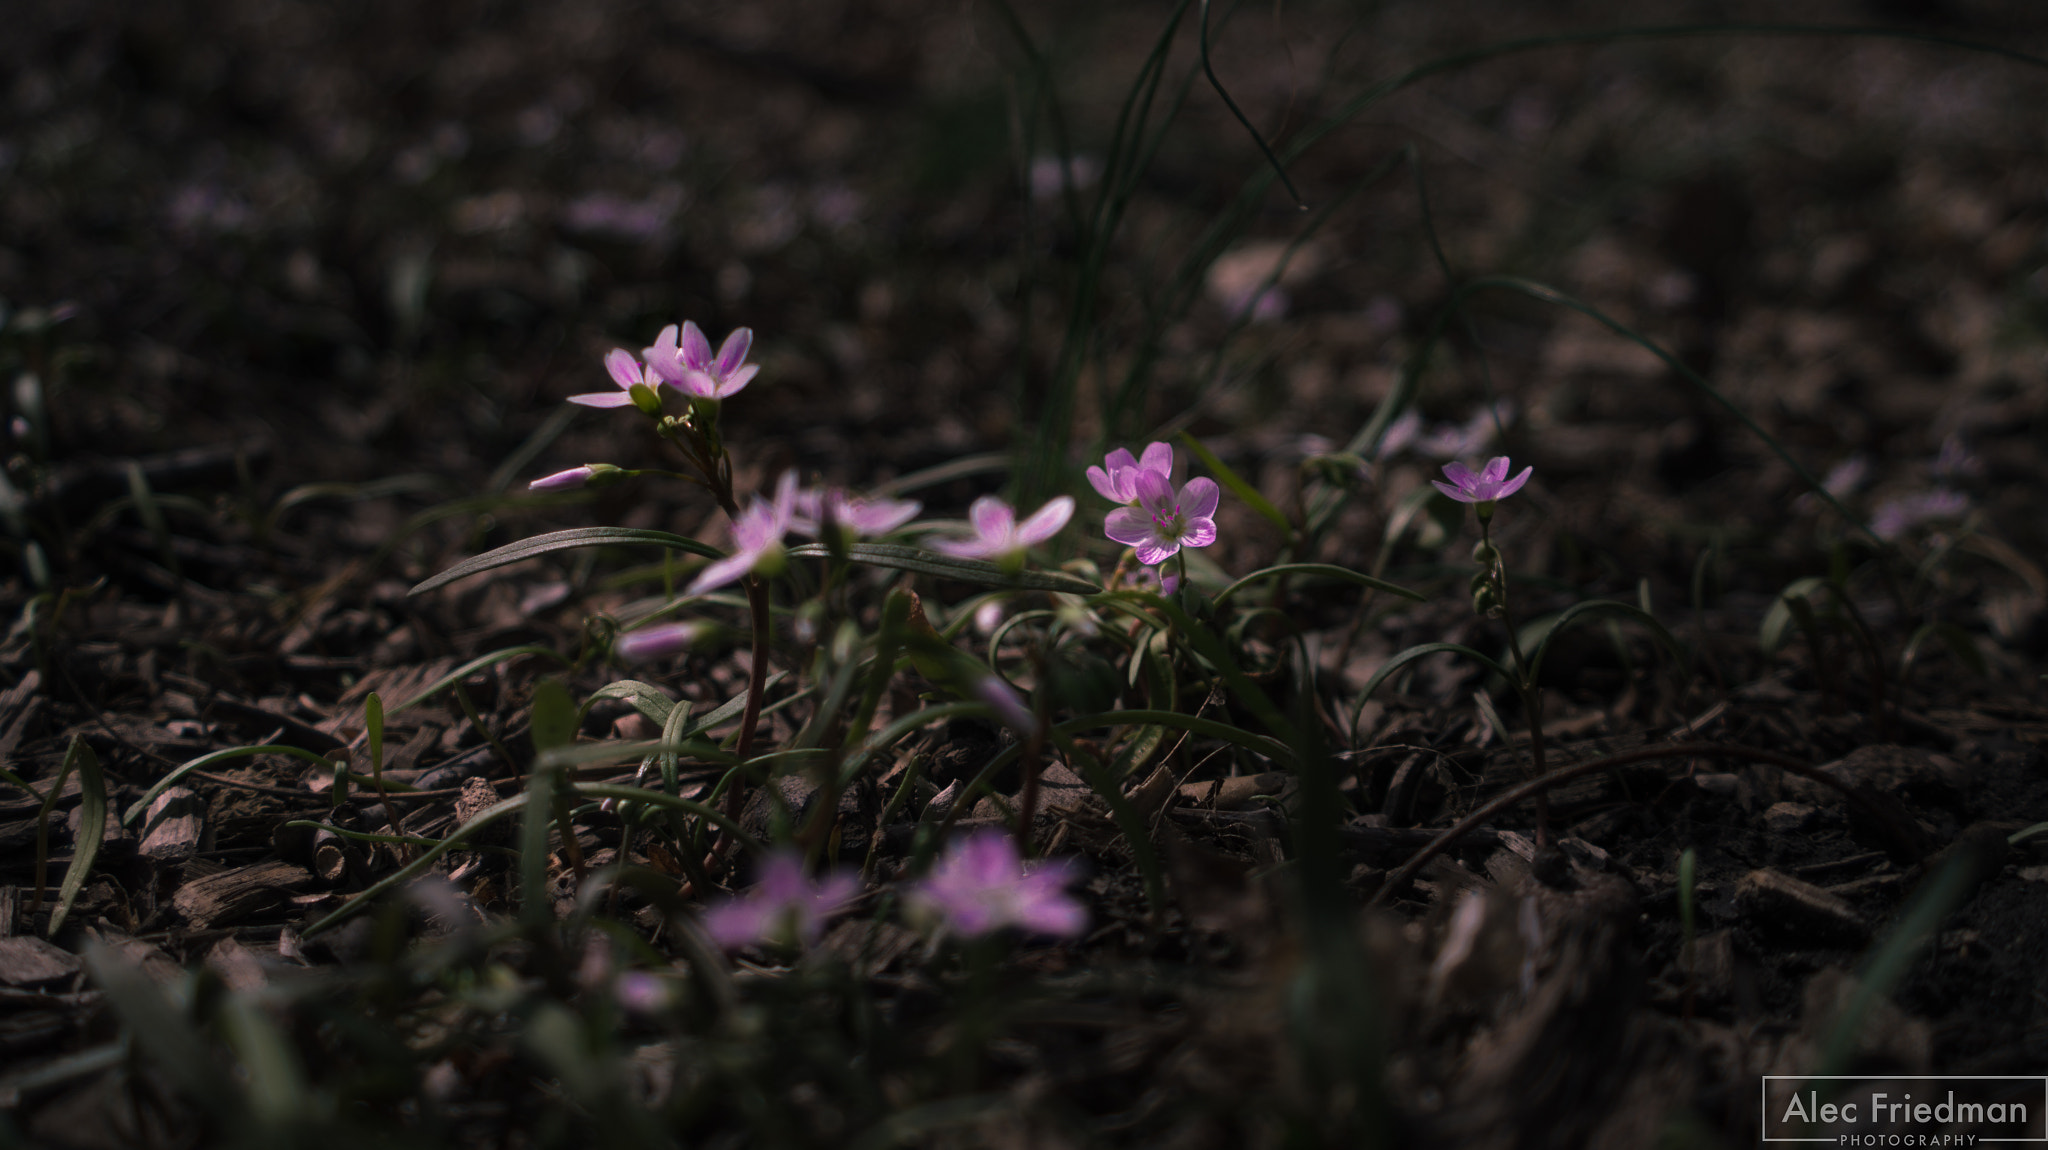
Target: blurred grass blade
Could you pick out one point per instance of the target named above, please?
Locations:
(277, 1083)
(162, 1031)
(1237, 485)
(979, 571)
(563, 541)
(92, 827)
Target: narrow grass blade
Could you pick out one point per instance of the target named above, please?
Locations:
(1325, 570)
(563, 541)
(1237, 485)
(92, 827)
(978, 571)
(211, 759)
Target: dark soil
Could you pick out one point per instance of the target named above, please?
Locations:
(294, 293)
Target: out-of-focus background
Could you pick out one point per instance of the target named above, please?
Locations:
(383, 238)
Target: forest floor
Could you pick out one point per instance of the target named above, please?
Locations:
(294, 294)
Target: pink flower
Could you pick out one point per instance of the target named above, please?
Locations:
(998, 535)
(785, 906)
(1008, 705)
(1468, 486)
(981, 886)
(1895, 517)
(1116, 480)
(757, 533)
(1162, 523)
(855, 516)
(628, 373)
(657, 642)
(685, 361)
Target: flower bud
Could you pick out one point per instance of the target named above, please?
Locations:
(658, 642)
(1484, 601)
(1485, 553)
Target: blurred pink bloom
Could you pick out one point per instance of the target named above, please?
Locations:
(1468, 486)
(685, 361)
(853, 515)
(657, 642)
(626, 371)
(562, 480)
(1400, 433)
(1448, 441)
(784, 906)
(1895, 517)
(1116, 480)
(757, 533)
(998, 535)
(1162, 523)
(1008, 705)
(980, 886)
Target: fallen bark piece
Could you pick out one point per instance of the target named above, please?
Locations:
(172, 827)
(30, 961)
(1786, 906)
(233, 895)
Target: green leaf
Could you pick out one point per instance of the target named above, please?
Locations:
(651, 701)
(1327, 570)
(92, 827)
(1238, 486)
(472, 667)
(373, 718)
(1579, 611)
(979, 571)
(563, 541)
(1771, 633)
(554, 716)
(1408, 656)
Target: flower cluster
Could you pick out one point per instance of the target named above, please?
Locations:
(979, 886)
(1155, 520)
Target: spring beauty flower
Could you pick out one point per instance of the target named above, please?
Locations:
(853, 516)
(1116, 480)
(628, 373)
(1481, 487)
(1008, 705)
(784, 906)
(998, 535)
(684, 361)
(658, 641)
(981, 886)
(1162, 523)
(1895, 517)
(757, 533)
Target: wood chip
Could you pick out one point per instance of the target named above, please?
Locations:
(30, 961)
(172, 827)
(234, 895)
(1786, 906)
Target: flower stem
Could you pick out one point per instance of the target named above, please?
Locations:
(1525, 682)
